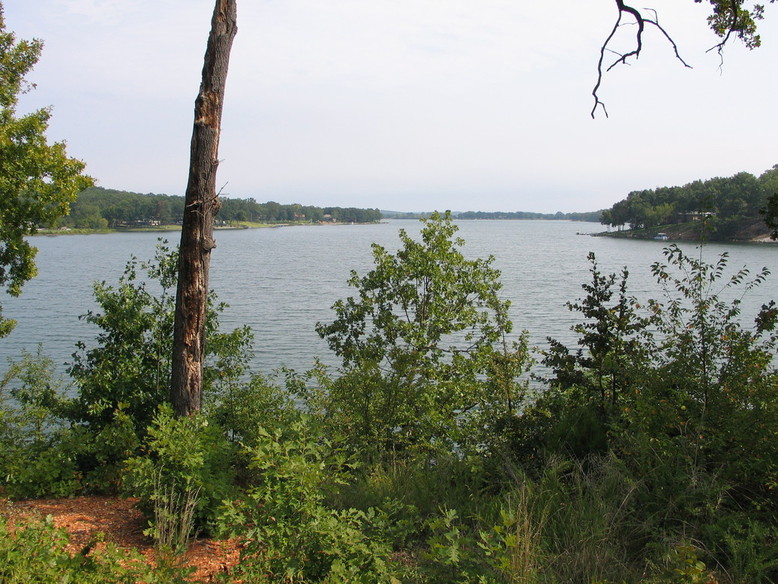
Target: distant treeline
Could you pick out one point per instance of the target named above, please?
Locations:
(99, 208)
(722, 202)
(593, 216)
(589, 216)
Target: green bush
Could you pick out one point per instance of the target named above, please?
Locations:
(129, 367)
(35, 457)
(416, 340)
(747, 547)
(289, 532)
(182, 477)
(35, 554)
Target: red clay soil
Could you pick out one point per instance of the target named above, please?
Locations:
(122, 524)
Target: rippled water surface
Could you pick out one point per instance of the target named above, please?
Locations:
(281, 281)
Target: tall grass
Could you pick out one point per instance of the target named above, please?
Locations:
(174, 514)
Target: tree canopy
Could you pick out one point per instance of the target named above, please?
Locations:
(417, 340)
(722, 201)
(37, 179)
(99, 207)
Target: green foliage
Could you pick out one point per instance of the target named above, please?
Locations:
(29, 392)
(415, 341)
(506, 396)
(573, 523)
(35, 458)
(290, 534)
(240, 406)
(593, 216)
(37, 179)
(749, 548)
(181, 477)
(770, 214)
(651, 457)
(611, 354)
(452, 553)
(129, 368)
(61, 445)
(690, 413)
(414, 490)
(699, 426)
(703, 345)
(98, 207)
(41, 454)
(736, 18)
(588, 386)
(35, 553)
(725, 204)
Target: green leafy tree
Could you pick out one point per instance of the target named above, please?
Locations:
(610, 341)
(702, 342)
(416, 341)
(129, 367)
(37, 179)
(589, 385)
(702, 421)
(770, 214)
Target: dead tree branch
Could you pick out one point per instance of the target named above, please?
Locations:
(641, 22)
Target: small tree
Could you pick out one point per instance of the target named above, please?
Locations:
(699, 427)
(770, 214)
(122, 378)
(610, 338)
(37, 179)
(416, 341)
(129, 366)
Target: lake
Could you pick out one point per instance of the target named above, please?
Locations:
(282, 281)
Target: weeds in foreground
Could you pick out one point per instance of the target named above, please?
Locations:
(35, 553)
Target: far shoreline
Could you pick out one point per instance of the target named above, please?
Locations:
(177, 228)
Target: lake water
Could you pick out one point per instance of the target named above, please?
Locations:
(282, 281)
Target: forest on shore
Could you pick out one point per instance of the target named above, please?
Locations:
(101, 208)
(721, 208)
(592, 216)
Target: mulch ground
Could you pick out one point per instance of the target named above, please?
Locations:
(122, 524)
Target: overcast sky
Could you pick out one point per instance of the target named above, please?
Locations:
(403, 104)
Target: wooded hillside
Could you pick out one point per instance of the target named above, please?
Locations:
(725, 204)
(99, 208)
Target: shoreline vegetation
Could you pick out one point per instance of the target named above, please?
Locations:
(748, 231)
(745, 231)
(168, 228)
(732, 209)
(742, 207)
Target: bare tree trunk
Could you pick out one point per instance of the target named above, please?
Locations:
(200, 208)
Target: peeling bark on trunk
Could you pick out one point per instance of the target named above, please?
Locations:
(200, 208)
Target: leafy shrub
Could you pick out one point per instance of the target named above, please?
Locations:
(416, 341)
(747, 547)
(182, 477)
(691, 411)
(129, 368)
(289, 532)
(244, 406)
(35, 460)
(35, 553)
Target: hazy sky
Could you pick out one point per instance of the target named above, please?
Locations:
(403, 104)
